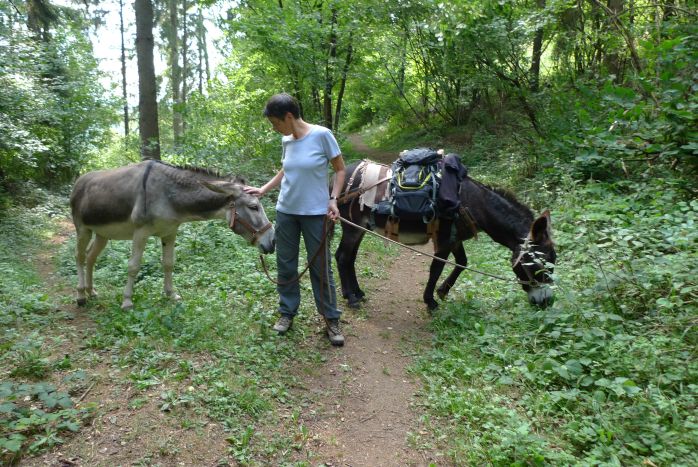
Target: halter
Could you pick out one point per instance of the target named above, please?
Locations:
(255, 233)
(526, 248)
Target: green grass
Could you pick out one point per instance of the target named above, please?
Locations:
(608, 375)
(213, 353)
(217, 340)
(34, 413)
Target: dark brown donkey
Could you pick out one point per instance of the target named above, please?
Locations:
(495, 212)
(152, 198)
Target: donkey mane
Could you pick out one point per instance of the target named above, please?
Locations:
(510, 197)
(192, 168)
(204, 171)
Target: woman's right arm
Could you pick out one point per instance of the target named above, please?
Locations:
(270, 185)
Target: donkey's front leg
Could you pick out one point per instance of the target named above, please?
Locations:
(84, 236)
(134, 264)
(168, 259)
(346, 260)
(437, 267)
(93, 252)
(342, 267)
(461, 259)
(434, 272)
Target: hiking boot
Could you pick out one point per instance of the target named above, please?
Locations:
(283, 324)
(334, 334)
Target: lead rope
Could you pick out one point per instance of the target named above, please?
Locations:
(321, 248)
(445, 261)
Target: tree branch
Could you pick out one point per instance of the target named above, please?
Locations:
(15, 7)
(624, 32)
(404, 97)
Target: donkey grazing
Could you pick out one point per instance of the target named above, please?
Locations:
(153, 198)
(497, 213)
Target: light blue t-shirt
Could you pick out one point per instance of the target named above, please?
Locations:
(304, 187)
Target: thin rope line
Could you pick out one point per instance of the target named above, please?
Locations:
(445, 261)
(323, 245)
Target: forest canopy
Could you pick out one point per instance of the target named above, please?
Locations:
(600, 84)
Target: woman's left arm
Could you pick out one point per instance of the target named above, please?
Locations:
(340, 173)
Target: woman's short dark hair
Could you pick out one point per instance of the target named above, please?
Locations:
(279, 105)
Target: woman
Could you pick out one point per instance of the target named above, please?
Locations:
(303, 204)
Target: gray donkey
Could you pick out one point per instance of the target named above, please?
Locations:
(152, 198)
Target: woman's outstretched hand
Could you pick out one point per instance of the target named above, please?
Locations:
(251, 190)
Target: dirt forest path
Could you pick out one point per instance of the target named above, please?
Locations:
(377, 155)
(364, 409)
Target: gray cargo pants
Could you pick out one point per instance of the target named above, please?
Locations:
(289, 228)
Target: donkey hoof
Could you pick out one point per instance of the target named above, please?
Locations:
(127, 305)
(354, 301)
(432, 305)
(174, 296)
(442, 293)
(82, 301)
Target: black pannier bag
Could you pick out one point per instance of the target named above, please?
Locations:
(453, 172)
(415, 185)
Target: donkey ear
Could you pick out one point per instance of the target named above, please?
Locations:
(541, 228)
(226, 188)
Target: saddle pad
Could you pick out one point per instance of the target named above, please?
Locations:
(371, 174)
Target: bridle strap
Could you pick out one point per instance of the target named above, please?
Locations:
(255, 233)
(525, 248)
(233, 216)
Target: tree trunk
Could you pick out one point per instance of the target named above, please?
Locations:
(537, 52)
(596, 55)
(315, 96)
(207, 67)
(403, 62)
(200, 45)
(40, 15)
(147, 90)
(614, 59)
(329, 78)
(185, 58)
(669, 9)
(123, 67)
(343, 83)
(175, 74)
(296, 91)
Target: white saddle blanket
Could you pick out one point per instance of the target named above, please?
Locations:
(376, 192)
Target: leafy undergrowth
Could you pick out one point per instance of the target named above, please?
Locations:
(34, 413)
(608, 374)
(211, 354)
